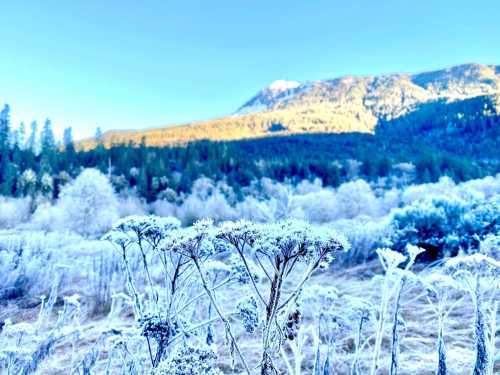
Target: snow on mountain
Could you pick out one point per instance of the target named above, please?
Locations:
(345, 104)
(385, 96)
(282, 85)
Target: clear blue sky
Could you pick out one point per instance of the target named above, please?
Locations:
(136, 64)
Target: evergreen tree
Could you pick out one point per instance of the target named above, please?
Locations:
(98, 135)
(8, 170)
(32, 143)
(4, 130)
(47, 139)
(68, 136)
(21, 136)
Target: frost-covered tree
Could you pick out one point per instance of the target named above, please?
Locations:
(27, 183)
(88, 203)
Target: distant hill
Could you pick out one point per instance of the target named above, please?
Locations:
(346, 104)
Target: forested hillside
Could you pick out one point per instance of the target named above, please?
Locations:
(341, 105)
(458, 139)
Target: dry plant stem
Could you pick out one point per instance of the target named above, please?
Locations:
(247, 267)
(354, 366)
(197, 297)
(154, 297)
(442, 369)
(493, 330)
(224, 320)
(267, 366)
(395, 333)
(380, 328)
(131, 285)
(481, 366)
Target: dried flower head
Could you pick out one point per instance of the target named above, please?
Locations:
(248, 313)
(190, 360)
(157, 328)
(292, 325)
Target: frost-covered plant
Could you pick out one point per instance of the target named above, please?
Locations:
(197, 244)
(471, 272)
(280, 249)
(364, 236)
(24, 346)
(159, 329)
(248, 313)
(391, 285)
(316, 301)
(152, 239)
(297, 346)
(446, 225)
(438, 287)
(358, 312)
(14, 211)
(190, 360)
(88, 203)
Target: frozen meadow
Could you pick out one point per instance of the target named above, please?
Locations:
(295, 279)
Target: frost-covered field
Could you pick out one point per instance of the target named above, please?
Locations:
(301, 279)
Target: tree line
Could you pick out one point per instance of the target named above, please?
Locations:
(457, 140)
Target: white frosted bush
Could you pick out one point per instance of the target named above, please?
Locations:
(48, 218)
(162, 207)
(445, 186)
(88, 204)
(356, 198)
(131, 205)
(364, 236)
(13, 211)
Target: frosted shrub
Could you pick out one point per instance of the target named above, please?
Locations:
(489, 186)
(27, 182)
(26, 263)
(14, 211)
(131, 205)
(446, 226)
(356, 198)
(88, 203)
(163, 207)
(364, 236)
(490, 246)
(319, 206)
(48, 218)
(215, 206)
(415, 193)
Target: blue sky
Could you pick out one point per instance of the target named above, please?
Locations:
(136, 64)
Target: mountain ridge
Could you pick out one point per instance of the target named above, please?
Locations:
(343, 104)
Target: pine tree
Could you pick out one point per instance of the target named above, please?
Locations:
(4, 130)
(68, 136)
(7, 168)
(21, 136)
(32, 143)
(47, 139)
(98, 135)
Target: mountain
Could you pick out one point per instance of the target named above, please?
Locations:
(345, 104)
